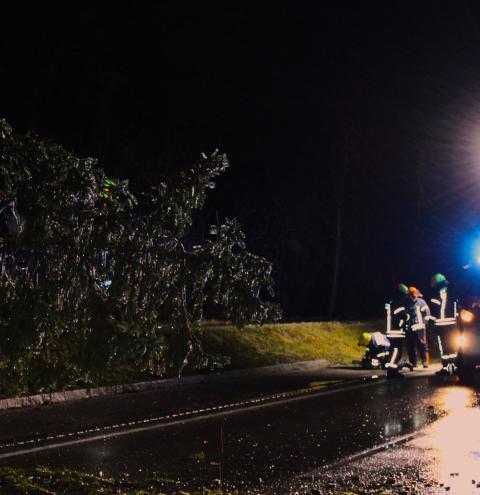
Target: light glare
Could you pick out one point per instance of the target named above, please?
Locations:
(461, 340)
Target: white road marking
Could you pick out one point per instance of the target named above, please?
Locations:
(139, 426)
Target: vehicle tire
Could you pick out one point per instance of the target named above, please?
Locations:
(465, 368)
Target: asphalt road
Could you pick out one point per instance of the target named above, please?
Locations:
(262, 436)
(443, 457)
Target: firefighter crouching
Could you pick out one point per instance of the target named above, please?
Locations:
(418, 314)
(377, 349)
(443, 320)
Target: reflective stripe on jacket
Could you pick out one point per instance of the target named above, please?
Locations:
(444, 309)
(395, 319)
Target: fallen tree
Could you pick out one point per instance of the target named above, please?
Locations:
(95, 279)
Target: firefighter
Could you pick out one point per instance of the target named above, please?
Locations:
(443, 321)
(396, 316)
(377, 352)
(418, 314)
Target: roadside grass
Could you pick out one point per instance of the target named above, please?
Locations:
(269, 344)
(46, 481)
(252, 346)
(42, 481)
(229, 347)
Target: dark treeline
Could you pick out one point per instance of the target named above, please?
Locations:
(352, 128)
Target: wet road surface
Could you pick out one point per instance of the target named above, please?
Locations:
(444, 458)
(267, 449)
(20, 424)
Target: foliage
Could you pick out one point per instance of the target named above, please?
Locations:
(93, 277)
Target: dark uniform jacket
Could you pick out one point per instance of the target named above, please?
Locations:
(379, 345)
(418, 314)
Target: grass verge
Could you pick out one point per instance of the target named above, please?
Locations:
(253, 346)
(287, 342)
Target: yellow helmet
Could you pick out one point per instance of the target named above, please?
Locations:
(365, 339)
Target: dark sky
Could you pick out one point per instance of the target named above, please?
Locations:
(380, 97)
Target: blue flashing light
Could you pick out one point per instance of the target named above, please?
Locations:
(476, 251)
(470, 250)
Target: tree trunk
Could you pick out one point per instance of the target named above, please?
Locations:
(339, 228)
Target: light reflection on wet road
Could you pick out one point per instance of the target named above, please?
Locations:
(444, 458)
(454, 441)
(276, 443)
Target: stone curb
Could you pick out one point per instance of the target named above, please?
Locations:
(84, 393)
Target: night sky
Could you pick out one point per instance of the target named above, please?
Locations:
(371, 105)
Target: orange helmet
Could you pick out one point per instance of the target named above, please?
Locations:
(414, 292)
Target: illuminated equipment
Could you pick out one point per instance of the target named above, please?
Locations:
(364, 339)
(437, 279)
(107, 188)
(414, 292)
(402, 288)
(466, 316)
